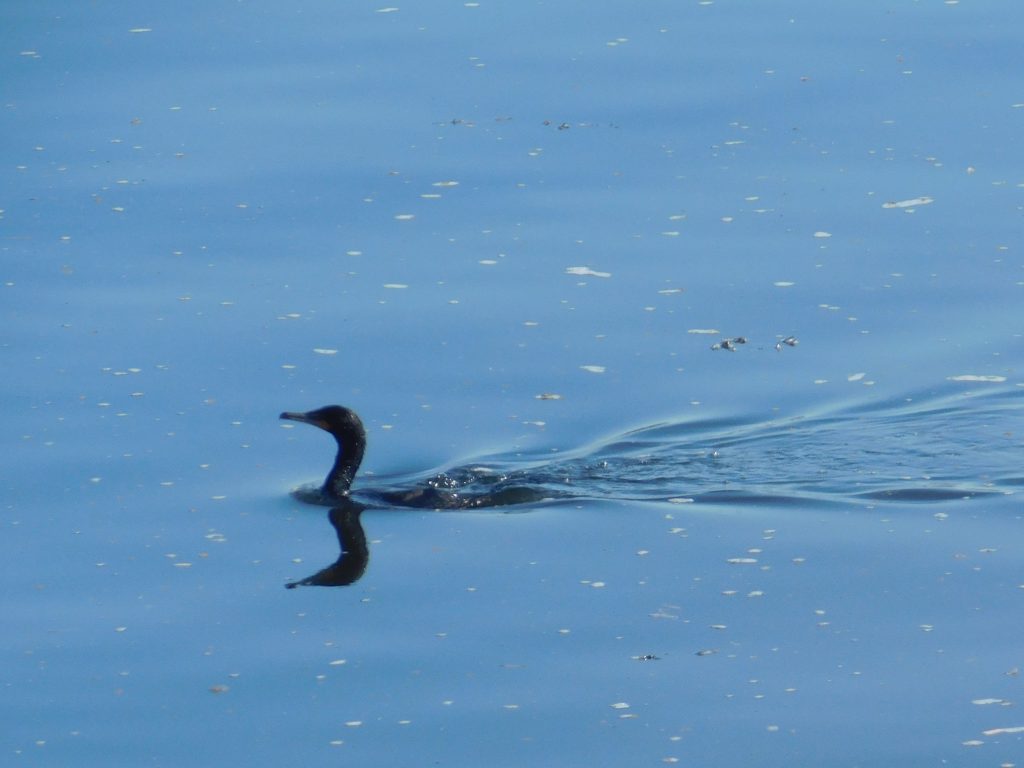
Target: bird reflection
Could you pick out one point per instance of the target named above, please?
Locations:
(351, 563)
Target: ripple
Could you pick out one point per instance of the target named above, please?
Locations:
(937, 446)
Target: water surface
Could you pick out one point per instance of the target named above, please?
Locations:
(510, 236)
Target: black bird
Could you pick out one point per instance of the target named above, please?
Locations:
(348, 431)
(441, 492)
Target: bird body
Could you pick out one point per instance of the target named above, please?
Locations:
(440, 493)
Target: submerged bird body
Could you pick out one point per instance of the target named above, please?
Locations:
(442, 492)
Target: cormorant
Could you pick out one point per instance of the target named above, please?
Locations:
(438, 493)
(347, 429)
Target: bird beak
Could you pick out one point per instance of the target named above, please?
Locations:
(304, 418)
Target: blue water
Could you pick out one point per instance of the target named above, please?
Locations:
(513, 237)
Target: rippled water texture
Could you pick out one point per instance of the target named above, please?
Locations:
(702, 318)
(928, 447)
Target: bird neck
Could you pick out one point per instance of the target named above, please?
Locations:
(346, 463)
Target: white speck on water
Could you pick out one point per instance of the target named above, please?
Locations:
(985, 702)
(1000, 731)
(586, 271)
(395, 285)
(822, 234)
(976, 377)
(140, 30)
(593, 368)
(705, 331)
(387, 10)
(338, 662)
(741, 560)
(405, 216)
(915, 201)
(856, 376)
(619, 705)
(446, 184)
(324, 351)
(680, 500)
(783, 284)
(488, 262)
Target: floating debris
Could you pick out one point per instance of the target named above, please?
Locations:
(586, 272)
(976, 377)
(548, 396)
(789, 341)
(999, 731)
(730, 344)
(908, 203)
